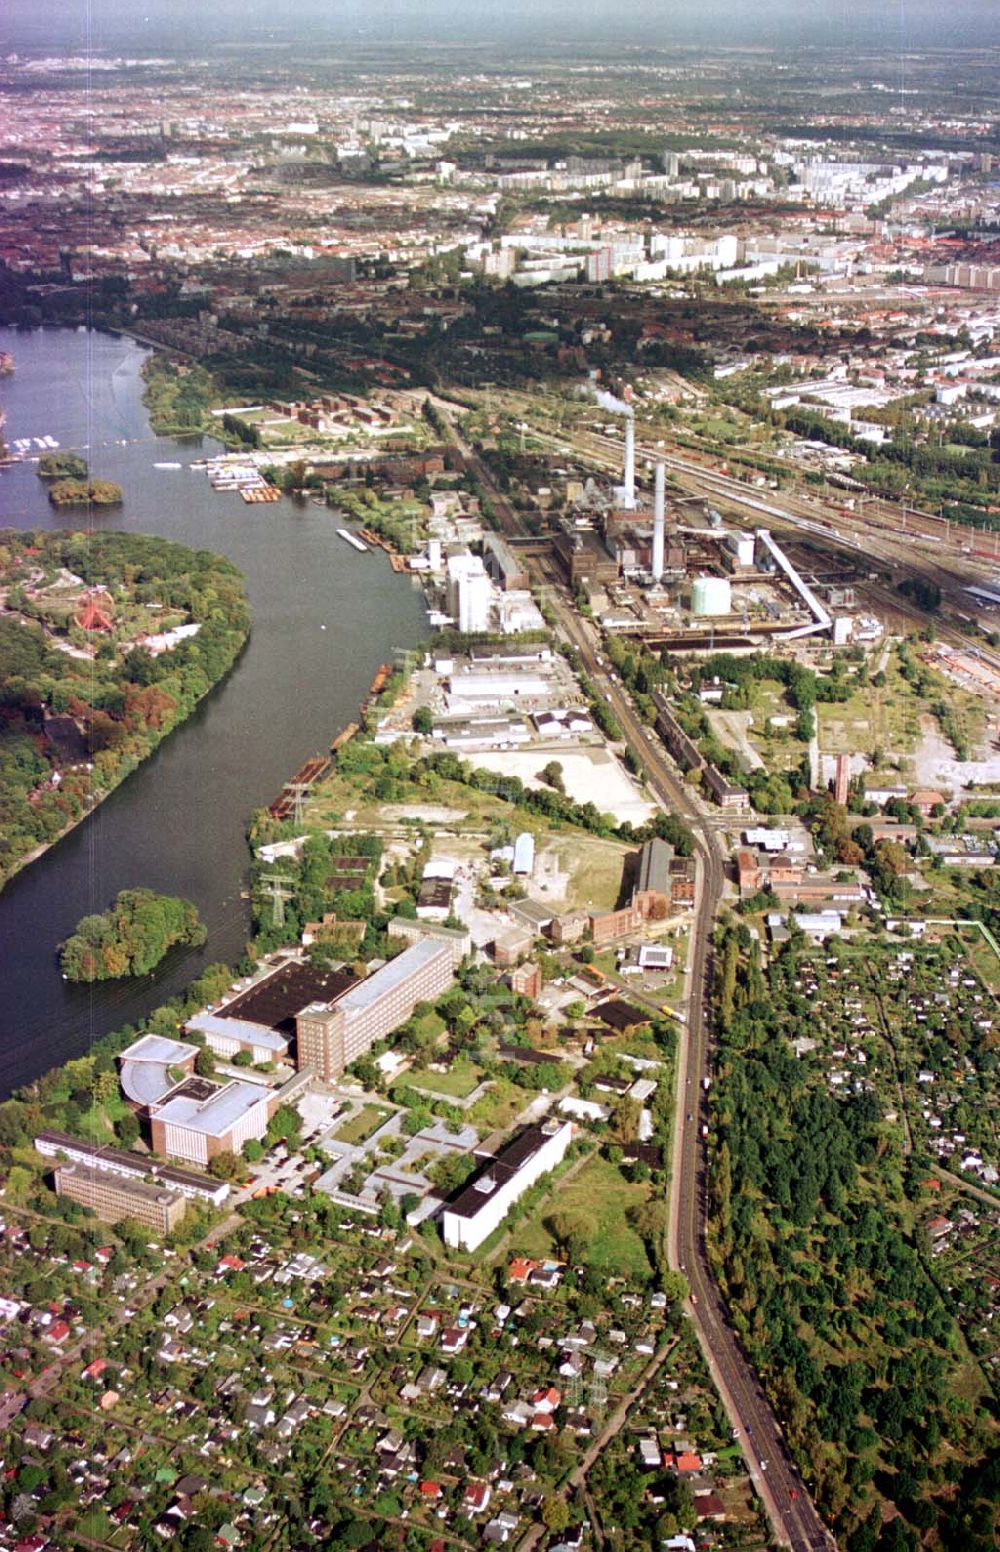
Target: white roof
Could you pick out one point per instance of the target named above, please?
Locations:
(238, 1029)
(217, 1114)
(393, 974)
(524, 852)
(156, 1048)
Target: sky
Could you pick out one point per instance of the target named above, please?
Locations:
(164, 23)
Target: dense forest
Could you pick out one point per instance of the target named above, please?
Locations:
(81, 707)
(131, 938)
(826, 1283)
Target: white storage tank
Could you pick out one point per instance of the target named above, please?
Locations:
(711, 595)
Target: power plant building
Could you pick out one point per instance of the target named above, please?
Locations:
(332, 1036)
(711, 596)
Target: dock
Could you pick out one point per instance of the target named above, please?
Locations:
(307, 775)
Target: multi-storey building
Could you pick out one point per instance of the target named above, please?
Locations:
(116, 1161)
(487, 1199)
(198, 1122)
(331, 1036)
(113, 1197)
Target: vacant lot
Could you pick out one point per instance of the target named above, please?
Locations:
(603, 1202)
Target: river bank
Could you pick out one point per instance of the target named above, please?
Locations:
(324, 618)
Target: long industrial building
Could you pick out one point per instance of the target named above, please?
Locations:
(333, 1035)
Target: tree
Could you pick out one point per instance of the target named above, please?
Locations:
(285, 1126)
(423, 721)
(127, 1128)
(555, 1514)
(226, 1166)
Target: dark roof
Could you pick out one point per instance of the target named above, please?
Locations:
(500, 1169)
(643, 1153)
(527, 1054)
(134, 1163)
(275, 1001)
(619, 1014)
(654, 867)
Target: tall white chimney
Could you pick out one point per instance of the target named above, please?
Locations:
(659, 483)
(629, 487)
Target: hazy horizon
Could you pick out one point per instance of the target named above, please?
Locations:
(186, 24)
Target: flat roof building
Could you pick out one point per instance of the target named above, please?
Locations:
(116, 1161)
(484, 1203)
(198, 1127)
(113, 1197)
(331, 1037)
(151, 1066)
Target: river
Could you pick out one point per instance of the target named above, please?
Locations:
(324, 617)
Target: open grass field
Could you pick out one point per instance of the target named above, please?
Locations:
(360, 1127)
(603, 1199)
(458, 1082)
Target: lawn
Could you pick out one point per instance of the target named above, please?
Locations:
(604, 1199)
(497, 1108)
(360, 1127)
(593, 870)
(458, 1082)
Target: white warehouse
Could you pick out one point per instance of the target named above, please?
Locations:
(487, 1199)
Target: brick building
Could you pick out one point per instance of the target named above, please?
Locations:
(333, 1035)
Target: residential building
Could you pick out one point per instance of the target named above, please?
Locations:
(723, 792)
(484, 1203)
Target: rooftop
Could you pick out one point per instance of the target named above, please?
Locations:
(217, 1114)
(499, 1170)
(413, 959)
(273, 1002)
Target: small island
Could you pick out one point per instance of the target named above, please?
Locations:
(62, 466)
(72, 485)
(131, 938)
(85, 493)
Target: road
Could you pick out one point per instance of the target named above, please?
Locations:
(794, 1519)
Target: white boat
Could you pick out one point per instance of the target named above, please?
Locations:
(167, 466)
(353, 540)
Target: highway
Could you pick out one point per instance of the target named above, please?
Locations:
(794, 1519)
